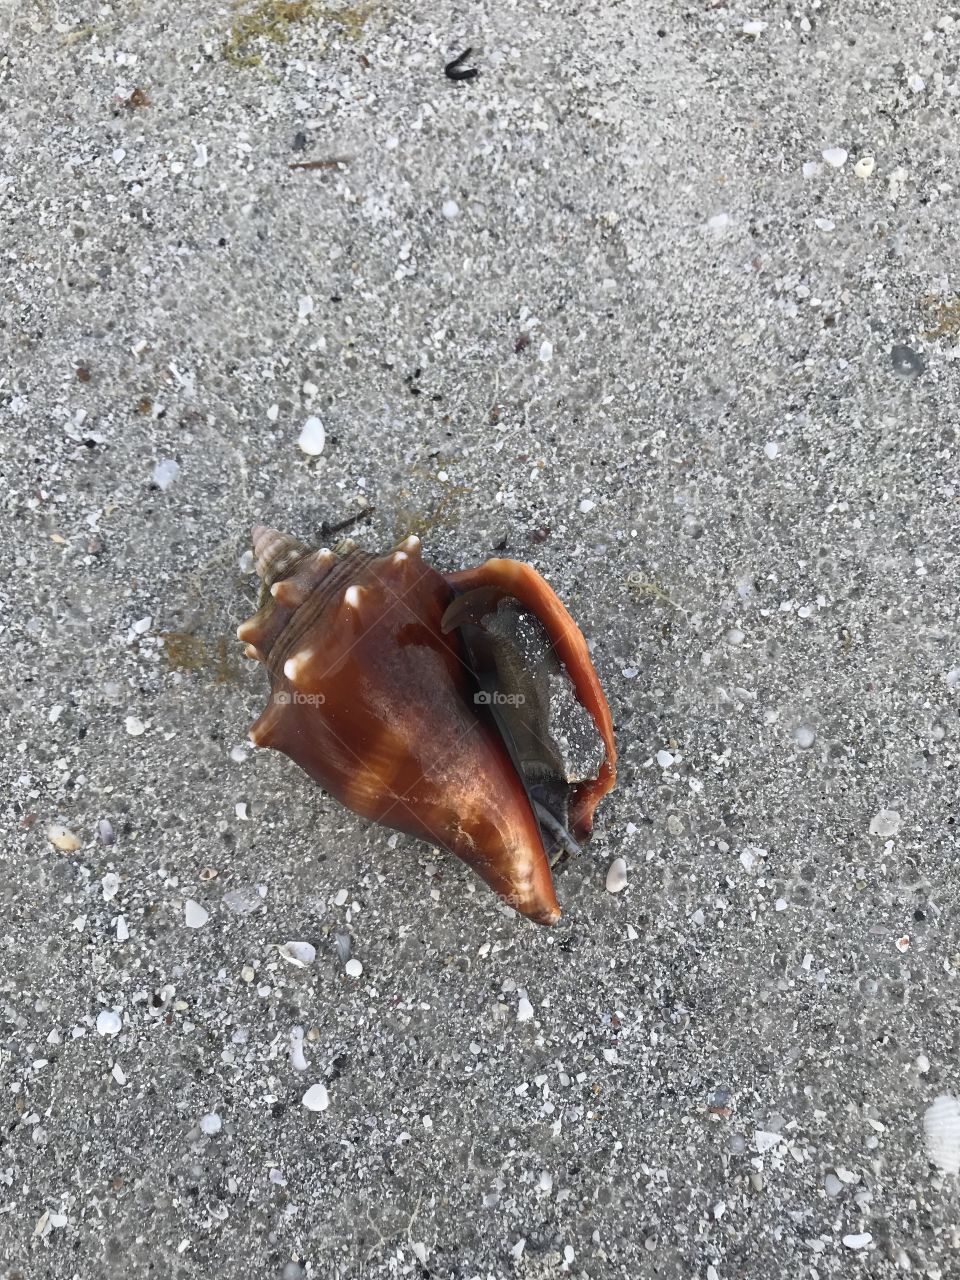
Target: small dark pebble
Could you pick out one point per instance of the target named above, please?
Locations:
(300, 141)
(907, 362)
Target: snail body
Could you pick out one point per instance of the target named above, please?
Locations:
(390, 689)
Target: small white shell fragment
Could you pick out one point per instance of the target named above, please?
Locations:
(835, 157)
(134, 726)
(241, 811)
(353, 968)
(941, 1133)
(664, 759)
(300, 954)
(273, 413)
(858, 1241)
(617, 875)
(718, 221)
(587, 505)
(804, 736)
(297, 1059)
(164, 473)
(111, 885)
(450, 209)
(304, 306)
(545, 1185)
(771, 449)
(864, 167)
(524, 1010)
(546, 351)
(210, 1124)
(885, 823)
(109, 1022)
(194, 916)
(118, 1073)
(764, 1140)
(62, 838)
(316, 1098)
(312, 437)
(754, 28)
(123, 931)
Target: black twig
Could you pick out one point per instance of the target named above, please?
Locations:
(455, 70)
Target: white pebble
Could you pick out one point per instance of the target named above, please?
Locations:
(316, 1098)
(353, 968)
(885, 823)
(110, 885)
(62, 838)
(864, 166)
(735, 637)
(118, 1073)
(718, 221)
(210, 1124)
(546, 351)
(664, 759)
(586, 505)
(771, 448)
(804, 736)
(450, 209)
(134, 726)
(273, 413)
(297, 1059)
(194, 916)
(545, 1185)
(312, 437)
(915, 83)
(617, 875)
(832, 1185)
(123, 932)
(753, 28)
(835, 157)
(165, 472)
(304, 306)
(109, 1022)
(858, 1241)
(300, 954)
(811, 168)
(524, 1010)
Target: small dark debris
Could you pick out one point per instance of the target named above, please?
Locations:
(522, 342)
(137, 100)
(83, 373)
(455, 70)
(540, 535)
(907, 362)
(299, 141)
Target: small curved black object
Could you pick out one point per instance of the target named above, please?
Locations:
(455, 70)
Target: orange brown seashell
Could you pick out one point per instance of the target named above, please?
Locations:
(393, 689)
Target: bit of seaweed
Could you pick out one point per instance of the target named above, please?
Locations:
(943, 316)
(272, 19)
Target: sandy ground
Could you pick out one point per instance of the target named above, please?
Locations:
(660, 301)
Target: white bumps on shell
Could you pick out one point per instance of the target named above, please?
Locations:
(941, 1133)
(352, 597)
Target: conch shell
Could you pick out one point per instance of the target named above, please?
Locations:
(400, 690)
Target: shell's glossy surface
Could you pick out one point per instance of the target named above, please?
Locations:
(374, 693)
(941, 1132)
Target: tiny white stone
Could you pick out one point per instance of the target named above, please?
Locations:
(210, 1124)
(864, 166)
(123, 933)
(200, 155)
(119, 1074)
(664, 759)
(587, 504)
(304, 306)
(822, 224)
(353, 968)
(753, 28)
(835, 157)
(811, 168)
(450, 209)
(546, 351)
(610, 1055)
(312, 437)
(316, 1098)
(781, 904)
(718, 221)
(804, 736)
(858, 1241)
(735, 637)
(885, 823)
(524, 1010)
(118, 155)
(300, 954)
(764, 1140)
(273, 413)
(111, 885)
(771, 448)
(719, 1209)
(241, 811)
(832, 1185)
(165, 472)
(297, 1059)
(109, 1022)
(194, 916)
(915, 83)
(617, 875)
(134, 726)
(545, 1184)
